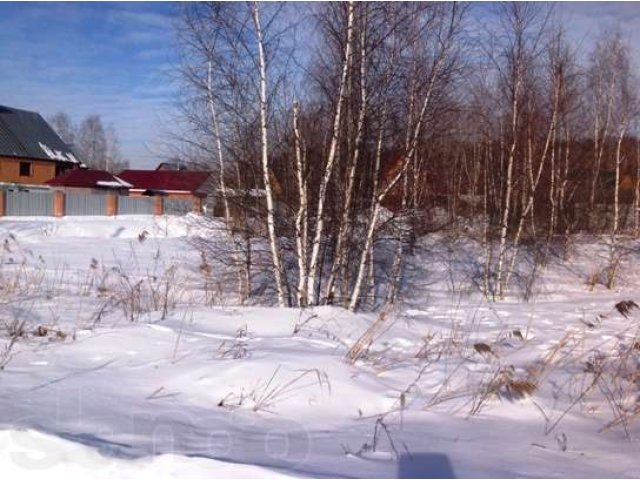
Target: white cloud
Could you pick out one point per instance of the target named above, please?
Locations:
(111, 62)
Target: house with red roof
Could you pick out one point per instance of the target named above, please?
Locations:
(89, 181)
(171, 183)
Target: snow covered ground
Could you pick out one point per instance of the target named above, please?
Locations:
(131, 365)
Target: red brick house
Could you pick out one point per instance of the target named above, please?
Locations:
(31, 153)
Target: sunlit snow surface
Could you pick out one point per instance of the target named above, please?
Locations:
(252, 391)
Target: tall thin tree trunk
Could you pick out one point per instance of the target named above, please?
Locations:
(314, 266)
(243, 286)
(378, 198)
(264, 139)
(506, 211)
(613, 247)
(340, 263)
(534, 181)
(616, 188)
(302, 214)
(600, 137)
(486, 241)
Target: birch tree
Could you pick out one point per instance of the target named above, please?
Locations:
(440, 75)
(602, 83)
(314, 264)
(625, 108)
(522, 33)
(556, 85)
(340, 257)
(302, 220)
(204, 71)
(264, 141)
(378, 123)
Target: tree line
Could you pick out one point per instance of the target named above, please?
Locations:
(96, 144)
(368, 125)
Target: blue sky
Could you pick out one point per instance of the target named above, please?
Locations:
(108, 58)
(115, 59)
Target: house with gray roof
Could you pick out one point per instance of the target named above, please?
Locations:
(31, 153)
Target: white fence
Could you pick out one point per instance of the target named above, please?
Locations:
(135, 205)
(29, 203)
(57, 203)
(176, 206)
(85, 204)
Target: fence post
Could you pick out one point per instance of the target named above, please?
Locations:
(158, 206)
(197, 204)
(3, 202)
(58, 203)
(112, 205)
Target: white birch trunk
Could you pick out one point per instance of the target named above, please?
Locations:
(504, 224)
(331, 157)
(340, 258)
(243, 278)
(613, 248)
(600, 136)
(533, 187)
(216, 134)
(379, 197)
(302, 214)
(553, 190)
(273, 240)
(487, 246)
(616, 189)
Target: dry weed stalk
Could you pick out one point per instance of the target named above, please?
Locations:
(619, 383)
(503, 383)
(15, 330)
(361, 347)
(239, 347)
(264, 396)
(593, 279)
(380, 427)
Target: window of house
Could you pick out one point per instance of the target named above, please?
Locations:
(25, 169)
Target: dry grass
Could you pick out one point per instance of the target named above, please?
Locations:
(265, 395)
(380, 429)
(593, 279)
(502, 383)
(238, 348)
(361, 347)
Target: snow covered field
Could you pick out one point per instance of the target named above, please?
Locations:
(127, 365)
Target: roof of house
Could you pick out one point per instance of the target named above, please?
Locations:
(26, 134)
(171, 166)
(86, 178)
(165, 180)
